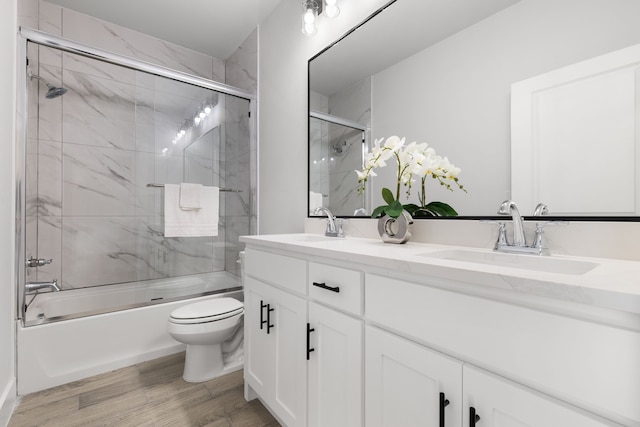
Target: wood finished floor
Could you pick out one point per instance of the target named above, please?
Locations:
(152, 393)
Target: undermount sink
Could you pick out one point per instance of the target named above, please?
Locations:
(525, 262)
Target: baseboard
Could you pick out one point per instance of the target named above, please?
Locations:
(8, 401)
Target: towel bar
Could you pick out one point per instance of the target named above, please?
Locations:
(230, 190)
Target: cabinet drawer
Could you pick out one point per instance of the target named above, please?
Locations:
(277, 269)
(336, 286)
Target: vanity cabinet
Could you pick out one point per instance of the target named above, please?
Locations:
(561, 355)
(335, 368)
(497, 402)
(303, 357)
(428, 350)
(275, 327)
(408, 384)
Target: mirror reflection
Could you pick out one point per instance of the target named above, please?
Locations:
(442, 71)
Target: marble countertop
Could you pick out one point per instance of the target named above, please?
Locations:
(611, 284)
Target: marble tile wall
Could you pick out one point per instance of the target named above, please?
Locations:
(91, 152)
(240, 158)
(336, 151)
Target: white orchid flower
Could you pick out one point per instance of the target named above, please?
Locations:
(362, 175)
(415, 162)
(394, 143)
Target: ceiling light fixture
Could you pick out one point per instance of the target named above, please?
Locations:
(311, 9)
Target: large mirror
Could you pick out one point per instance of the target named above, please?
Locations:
(443, 72)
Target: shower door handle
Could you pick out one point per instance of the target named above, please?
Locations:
(38, 262)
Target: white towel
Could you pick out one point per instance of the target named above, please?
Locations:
(201, 222)
(190, 196)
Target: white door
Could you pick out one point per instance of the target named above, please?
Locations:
(409, 385)
(275, 335)
(259, 347)
(335, 368)
(288, 329)
(497, 402)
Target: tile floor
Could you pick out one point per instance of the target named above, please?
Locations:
(149, 394)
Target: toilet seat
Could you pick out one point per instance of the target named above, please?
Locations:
(211, 310)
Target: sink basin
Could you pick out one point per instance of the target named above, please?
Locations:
(524, 262)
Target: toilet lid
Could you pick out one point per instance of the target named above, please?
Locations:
(224, 307)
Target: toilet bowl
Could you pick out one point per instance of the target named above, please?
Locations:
(203, 326)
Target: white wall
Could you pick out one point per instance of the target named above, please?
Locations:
(7, 136)
(282, 93)
(461, 105)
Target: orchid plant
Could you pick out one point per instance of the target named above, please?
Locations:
(416, 162)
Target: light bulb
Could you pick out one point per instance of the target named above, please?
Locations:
(309, 29)
(309, 17)
(196, 120)
(182, 132)
(331, 9)
(207, 110)
(202, 114)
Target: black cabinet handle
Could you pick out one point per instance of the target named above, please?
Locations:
(269, 324)
(262, 307)
(335, 289)
(443, 403)
(309, 349)
(473, 417)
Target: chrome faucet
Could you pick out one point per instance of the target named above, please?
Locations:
(38, 286)
(519, 244)
(360, 212)
(334, 225)
(541, 210)
(509, 208)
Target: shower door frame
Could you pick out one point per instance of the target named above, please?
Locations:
(26, 35)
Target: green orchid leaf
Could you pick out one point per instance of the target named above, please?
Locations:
(422, 213)
(441, 209)
(387, 196)
(394, 209)
(411, 208)
(378, 211)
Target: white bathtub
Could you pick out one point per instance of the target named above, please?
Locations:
(58, 352)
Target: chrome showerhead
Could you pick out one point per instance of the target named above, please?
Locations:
(53, 91)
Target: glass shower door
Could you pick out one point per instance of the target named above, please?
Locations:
(99, 150)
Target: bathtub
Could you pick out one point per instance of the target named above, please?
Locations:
(76, 334)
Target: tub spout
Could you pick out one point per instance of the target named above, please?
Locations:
(37, 286)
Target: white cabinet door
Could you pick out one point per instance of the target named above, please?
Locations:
(498, 402)
(335, 368)
(276, 339)
(258, 345)
(409, 385)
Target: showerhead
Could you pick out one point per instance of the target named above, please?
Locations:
(53, 91)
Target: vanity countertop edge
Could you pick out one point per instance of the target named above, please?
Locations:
(612, 284)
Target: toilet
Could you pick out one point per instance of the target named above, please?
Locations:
(204, 326)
